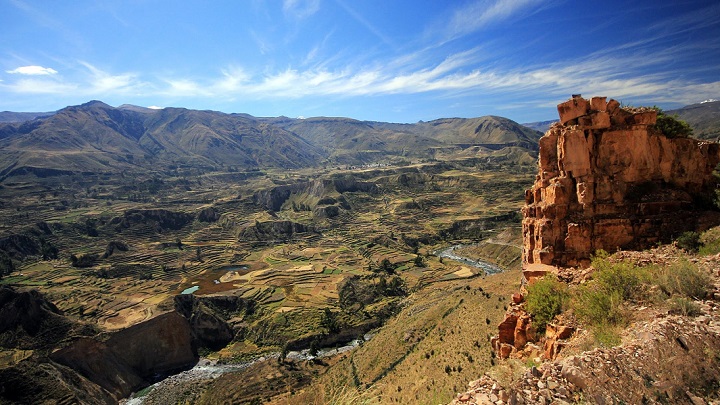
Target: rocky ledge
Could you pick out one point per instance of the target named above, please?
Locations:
(669, 359)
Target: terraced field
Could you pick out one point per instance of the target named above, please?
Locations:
(213, 232)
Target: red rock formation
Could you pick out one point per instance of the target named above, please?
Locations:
(608, 179)
(514, 332)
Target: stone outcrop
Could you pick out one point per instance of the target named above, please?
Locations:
(208, 326)
(29, 321)
(514, 332)
(274, 230)
(609, 179)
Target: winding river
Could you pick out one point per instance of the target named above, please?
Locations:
(449, 252)
(210, 369)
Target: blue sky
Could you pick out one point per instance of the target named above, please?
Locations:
(387, 60)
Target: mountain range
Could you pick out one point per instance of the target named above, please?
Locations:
(97, 138)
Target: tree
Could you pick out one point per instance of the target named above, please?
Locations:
(6, 264)
(387, 266)
(329, 321)
(198, 254)
(179, 243)
(47, 250)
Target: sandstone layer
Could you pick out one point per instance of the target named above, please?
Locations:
(609, 179)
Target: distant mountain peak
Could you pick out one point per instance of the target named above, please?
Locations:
(137, 108)
(95, 103)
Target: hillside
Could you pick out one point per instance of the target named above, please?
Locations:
(9, 116)
(704, 118)
(541, 126)
(97, 138)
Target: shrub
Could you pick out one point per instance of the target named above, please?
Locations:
(671, 125)
(684, 278)
(545, 299)
(598, 305)
(684, 306)
(689, 241)
(623, 277)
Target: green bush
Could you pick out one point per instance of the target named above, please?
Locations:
(689, 241)
(598, 305)
(623, 277)
(684, 278)
(545, 299)
(672, 126)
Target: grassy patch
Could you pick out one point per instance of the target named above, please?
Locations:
(684, 278)
(710, 242)
(601, 303)
(598, 305)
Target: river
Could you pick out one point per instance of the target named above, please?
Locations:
(449, 252)
(210, 369)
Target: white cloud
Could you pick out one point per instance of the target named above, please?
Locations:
(39, 86)
(90, 82)
(102, 82)
(457, 75)
(154, 107)
(32, 70)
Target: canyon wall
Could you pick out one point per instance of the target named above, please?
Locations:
(609, 179)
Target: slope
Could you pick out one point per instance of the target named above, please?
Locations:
(704, 118)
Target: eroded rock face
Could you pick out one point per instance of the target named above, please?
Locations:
(274, 230)
(130, 358)
(608, 179)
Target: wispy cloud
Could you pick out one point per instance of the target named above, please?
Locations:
(365, 23)
(39, 86)
(300, 9)
(93, 82)
(32, 70)
(479, 14)
(101, 82)
(263, 45)
(456, 75)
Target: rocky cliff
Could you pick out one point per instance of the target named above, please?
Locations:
(46, 357)
(609, 179)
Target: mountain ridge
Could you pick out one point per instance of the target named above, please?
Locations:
(95, 137)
